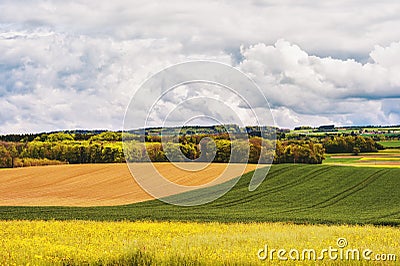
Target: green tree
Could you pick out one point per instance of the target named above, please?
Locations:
(5, 157)
(58, 137)
(173, 152)
(223, 151)
(240, 151)
(155, 152)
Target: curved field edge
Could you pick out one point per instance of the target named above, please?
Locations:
(179, 243)
(318, 194)
(87, 185)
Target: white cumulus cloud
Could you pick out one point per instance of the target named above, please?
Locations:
(76, 64)
(341, 91)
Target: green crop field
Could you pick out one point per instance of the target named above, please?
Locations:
(389, 158)
(290, 193)
(286, 211)
(390, 144)
(347, 160)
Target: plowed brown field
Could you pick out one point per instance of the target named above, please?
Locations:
(92, 184)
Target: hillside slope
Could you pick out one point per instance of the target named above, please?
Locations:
(97, 184)
(295, 193)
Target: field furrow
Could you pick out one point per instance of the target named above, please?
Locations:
(94, 184)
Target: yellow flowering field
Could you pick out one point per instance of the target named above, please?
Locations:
(176, 243)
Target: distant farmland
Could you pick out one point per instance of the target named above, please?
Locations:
(389, 158)
(390, 144)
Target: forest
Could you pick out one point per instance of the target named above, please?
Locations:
(107, 147)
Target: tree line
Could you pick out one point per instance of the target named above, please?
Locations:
(107, 147)
(255, 150)
(15, 154)
(350, 144)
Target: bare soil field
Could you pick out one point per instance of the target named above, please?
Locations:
(94, 184)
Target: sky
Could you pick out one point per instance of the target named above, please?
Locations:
(77, 64)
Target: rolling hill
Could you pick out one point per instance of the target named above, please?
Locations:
(291, 193)
(99, 184)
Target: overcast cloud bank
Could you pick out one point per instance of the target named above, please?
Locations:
(75, 64)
